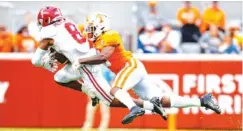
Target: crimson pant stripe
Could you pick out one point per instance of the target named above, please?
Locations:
(99, 89)
(97, 83)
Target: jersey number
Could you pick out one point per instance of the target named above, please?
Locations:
(71, 28)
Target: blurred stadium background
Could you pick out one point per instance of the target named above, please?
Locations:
(190, 47)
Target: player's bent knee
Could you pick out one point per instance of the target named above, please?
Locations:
(57, 78)
(60, 78)
(116, 103)
(165, 101)
(114, 90)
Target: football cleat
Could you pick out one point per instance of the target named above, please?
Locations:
(158, 107)
(134, 112)
(208, 102)
(95, 101)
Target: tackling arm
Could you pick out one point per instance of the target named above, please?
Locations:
(100, 58)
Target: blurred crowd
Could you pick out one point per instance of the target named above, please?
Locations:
(194, 32)
(22, 41)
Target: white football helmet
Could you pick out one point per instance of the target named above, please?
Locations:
(96, 24)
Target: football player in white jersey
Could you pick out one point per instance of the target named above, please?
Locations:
(64, 36)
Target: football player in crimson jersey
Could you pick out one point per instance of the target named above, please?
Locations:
(130, 72)
(64, 37)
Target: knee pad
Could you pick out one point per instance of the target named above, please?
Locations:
(60, 77)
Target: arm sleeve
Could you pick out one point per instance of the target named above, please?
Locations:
(48, 32)
(112, 39)
(36, 59)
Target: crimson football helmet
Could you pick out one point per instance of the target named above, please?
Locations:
(49, 15)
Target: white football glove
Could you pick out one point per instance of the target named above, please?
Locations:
(49, 62)
(76, 65)
(107, 64)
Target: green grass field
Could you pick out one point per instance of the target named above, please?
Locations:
(76, 129)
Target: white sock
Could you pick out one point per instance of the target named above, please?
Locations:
(148, 105)
(148, 112)
(181, 102)
(125, 98)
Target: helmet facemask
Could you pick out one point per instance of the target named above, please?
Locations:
(90, 30)
(39, 23)
(96, 24)
(93, 31)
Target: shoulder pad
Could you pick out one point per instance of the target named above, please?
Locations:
(48, 32)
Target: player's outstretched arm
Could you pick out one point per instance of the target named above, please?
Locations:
(100, 58)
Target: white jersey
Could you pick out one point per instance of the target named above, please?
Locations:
(68, 40)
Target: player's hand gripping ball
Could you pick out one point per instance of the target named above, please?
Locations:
(49, 62)
(76, 65)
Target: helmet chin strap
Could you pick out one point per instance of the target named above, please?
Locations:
(56, 21)
(94, 38)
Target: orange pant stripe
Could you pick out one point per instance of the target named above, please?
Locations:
(129, 73)
(121, 74)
